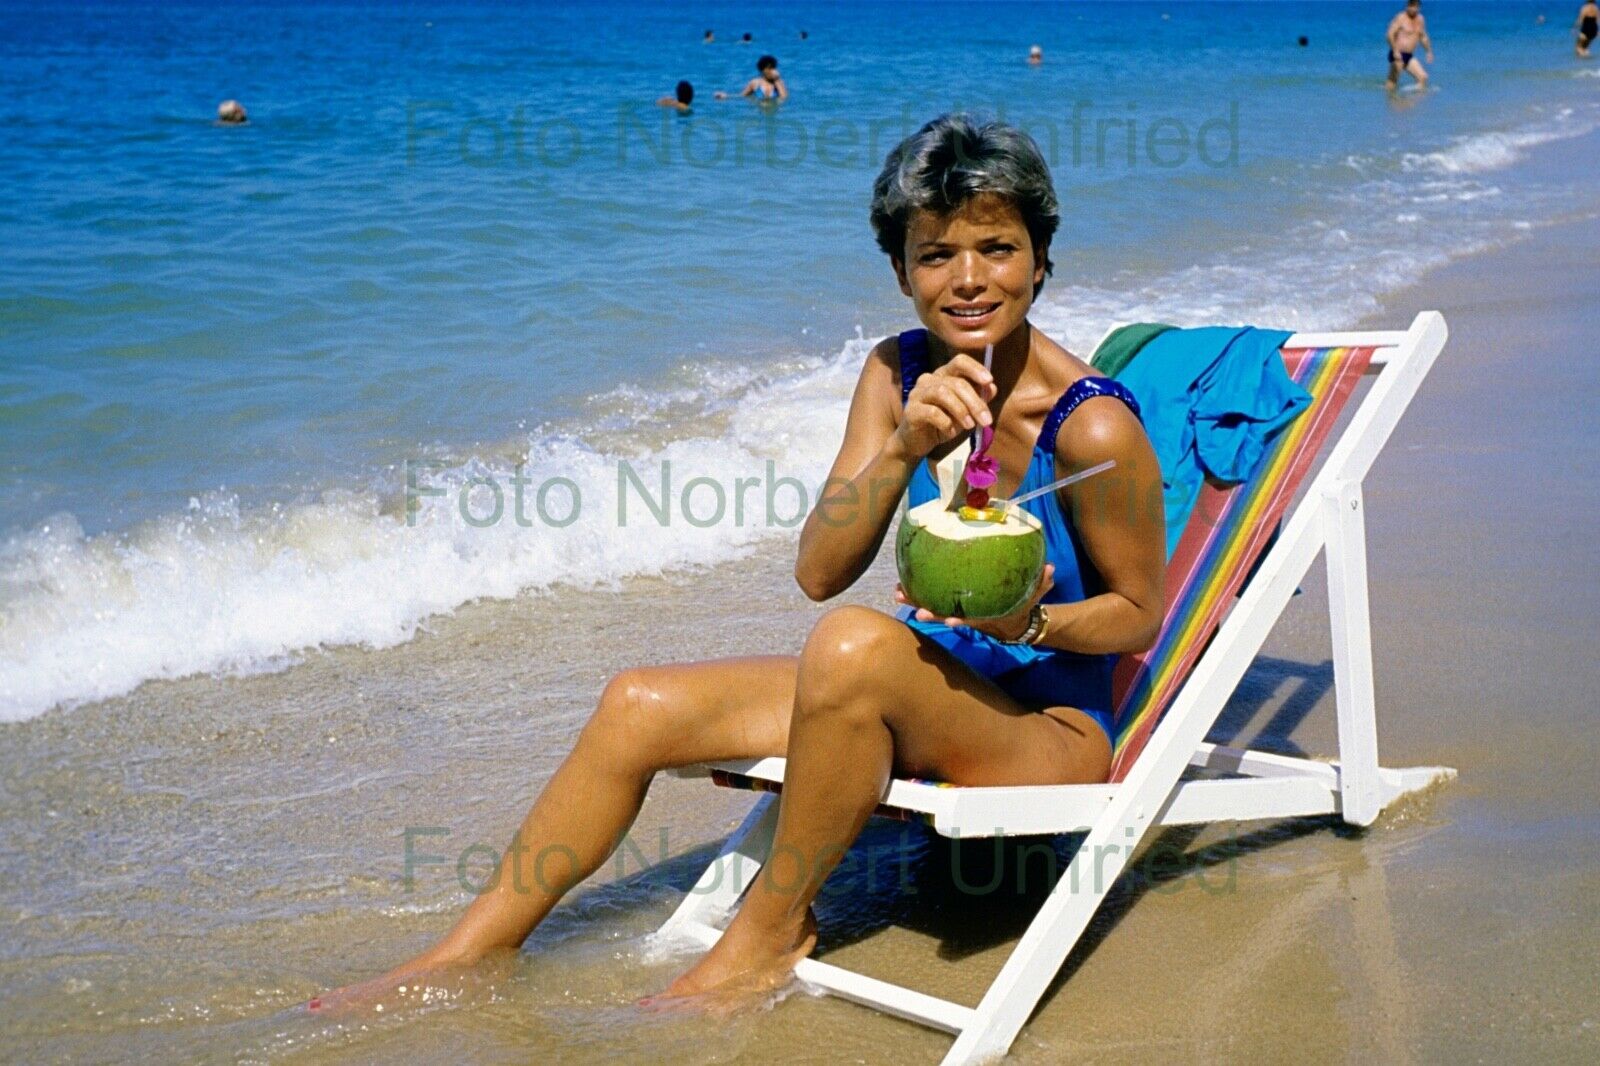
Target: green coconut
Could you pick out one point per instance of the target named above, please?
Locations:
(969, 564)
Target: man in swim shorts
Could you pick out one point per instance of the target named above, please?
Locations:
(1406, 30)
(1587, 27)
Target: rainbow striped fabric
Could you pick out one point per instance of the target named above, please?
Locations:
(1227, 533)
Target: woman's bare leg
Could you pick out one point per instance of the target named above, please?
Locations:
(648, 719)
(872, 699)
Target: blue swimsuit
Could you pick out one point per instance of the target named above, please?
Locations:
(1033, 676)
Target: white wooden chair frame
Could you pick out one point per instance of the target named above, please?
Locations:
(1116, 817)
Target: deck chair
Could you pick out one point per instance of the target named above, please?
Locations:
(1235, 569)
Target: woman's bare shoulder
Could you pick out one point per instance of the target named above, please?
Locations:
(1102, 427)
(879, 382)
(883, 361)
(1058, 364)
(887, 350)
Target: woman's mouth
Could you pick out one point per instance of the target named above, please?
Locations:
(969, 315)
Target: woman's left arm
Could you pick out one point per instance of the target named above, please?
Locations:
(1121, 523)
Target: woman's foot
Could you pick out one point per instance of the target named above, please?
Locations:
(743, 968)
(423, 981)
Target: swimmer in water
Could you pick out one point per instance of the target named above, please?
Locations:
(231, 113)
(1406, 31)
(1035, 56)
(767, 85)
(682, 97)
(1587, 28)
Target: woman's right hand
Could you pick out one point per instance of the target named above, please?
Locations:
(944, 404)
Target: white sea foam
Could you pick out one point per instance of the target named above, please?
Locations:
(216, 590)
(1323, 277)
(1495, 150)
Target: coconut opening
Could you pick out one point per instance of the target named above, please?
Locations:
(966, 523)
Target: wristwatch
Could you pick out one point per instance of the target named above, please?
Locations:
(1038, 624)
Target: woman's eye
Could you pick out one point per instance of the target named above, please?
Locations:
(933, 257)
(1002, 249)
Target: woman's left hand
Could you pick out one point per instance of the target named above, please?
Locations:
(1006, 627)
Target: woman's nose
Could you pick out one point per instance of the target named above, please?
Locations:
(969, 279)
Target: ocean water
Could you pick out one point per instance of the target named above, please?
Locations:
(272, 388)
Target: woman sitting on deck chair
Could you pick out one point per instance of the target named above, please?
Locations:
(965, 212)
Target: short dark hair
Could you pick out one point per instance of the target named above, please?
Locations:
(950, 161)
(685, 93)
(766, 61)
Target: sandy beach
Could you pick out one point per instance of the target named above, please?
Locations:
(246, 846)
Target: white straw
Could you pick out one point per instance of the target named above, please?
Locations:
(1099, 468)
(977, 431)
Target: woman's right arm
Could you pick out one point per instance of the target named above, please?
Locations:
(881, 448)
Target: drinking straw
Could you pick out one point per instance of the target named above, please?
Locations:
(957, 499)
(988, 358)
(1098, 468)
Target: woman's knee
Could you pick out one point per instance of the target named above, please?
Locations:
(849, 659)
(631, 717)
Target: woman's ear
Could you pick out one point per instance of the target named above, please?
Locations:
(1041, 256)
(900, 274)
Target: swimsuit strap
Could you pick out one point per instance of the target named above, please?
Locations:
(1079, 391)
(913, 360)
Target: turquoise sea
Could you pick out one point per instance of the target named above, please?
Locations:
(460, 239)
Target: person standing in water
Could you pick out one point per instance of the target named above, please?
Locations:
(766, 85)
(1587, 27)
(1406, 31)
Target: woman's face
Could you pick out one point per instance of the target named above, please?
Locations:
(971, 273)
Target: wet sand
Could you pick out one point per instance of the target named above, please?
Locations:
(186, 865)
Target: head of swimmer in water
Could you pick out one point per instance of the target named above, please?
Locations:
(965, 211)
(1413, 7)
(767, 67)
(685, 93)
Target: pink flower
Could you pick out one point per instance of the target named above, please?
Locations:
(982, 469)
